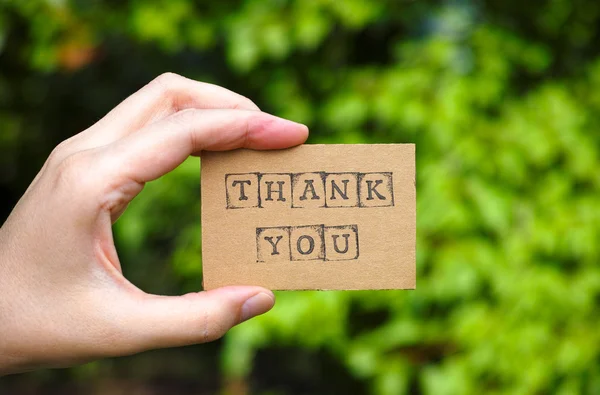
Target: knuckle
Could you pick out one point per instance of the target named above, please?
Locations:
(245, 103)
(166, 86)
(71, 169)
(60, 152)
(184, 121)
(253, 124)
(206, 333)
(209, 326)
(168, 77)
(187, 114)
(184, 117)
(165, 82)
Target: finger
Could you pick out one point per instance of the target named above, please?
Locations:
(162, 146)
(171, 321)
(164, 96)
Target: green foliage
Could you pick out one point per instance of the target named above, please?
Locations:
(502, 99)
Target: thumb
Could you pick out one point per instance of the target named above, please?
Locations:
(171, 321)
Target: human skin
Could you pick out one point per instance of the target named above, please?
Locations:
(63, 297)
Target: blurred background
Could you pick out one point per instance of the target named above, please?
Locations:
(502, 98)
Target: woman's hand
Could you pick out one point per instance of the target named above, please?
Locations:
(63, 298)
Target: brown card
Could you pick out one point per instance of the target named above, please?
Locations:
(310, 217)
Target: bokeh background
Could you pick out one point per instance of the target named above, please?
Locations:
(502, 98)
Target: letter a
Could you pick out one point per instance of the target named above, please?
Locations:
(311, 187)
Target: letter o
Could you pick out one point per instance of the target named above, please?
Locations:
(311, 245)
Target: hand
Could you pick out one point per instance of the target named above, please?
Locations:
(63, 297)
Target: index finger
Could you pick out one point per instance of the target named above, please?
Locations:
(160, 147)
(164, 96)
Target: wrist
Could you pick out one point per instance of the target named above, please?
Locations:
(9, 363)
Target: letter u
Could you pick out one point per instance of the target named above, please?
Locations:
(335, 246)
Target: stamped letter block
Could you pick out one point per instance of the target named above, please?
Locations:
(341, 242)
(242, 190)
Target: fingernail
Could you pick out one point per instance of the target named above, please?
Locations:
(294, 122)
(256, 305)
(302, 125)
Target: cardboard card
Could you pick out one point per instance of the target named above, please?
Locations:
(310, 217)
